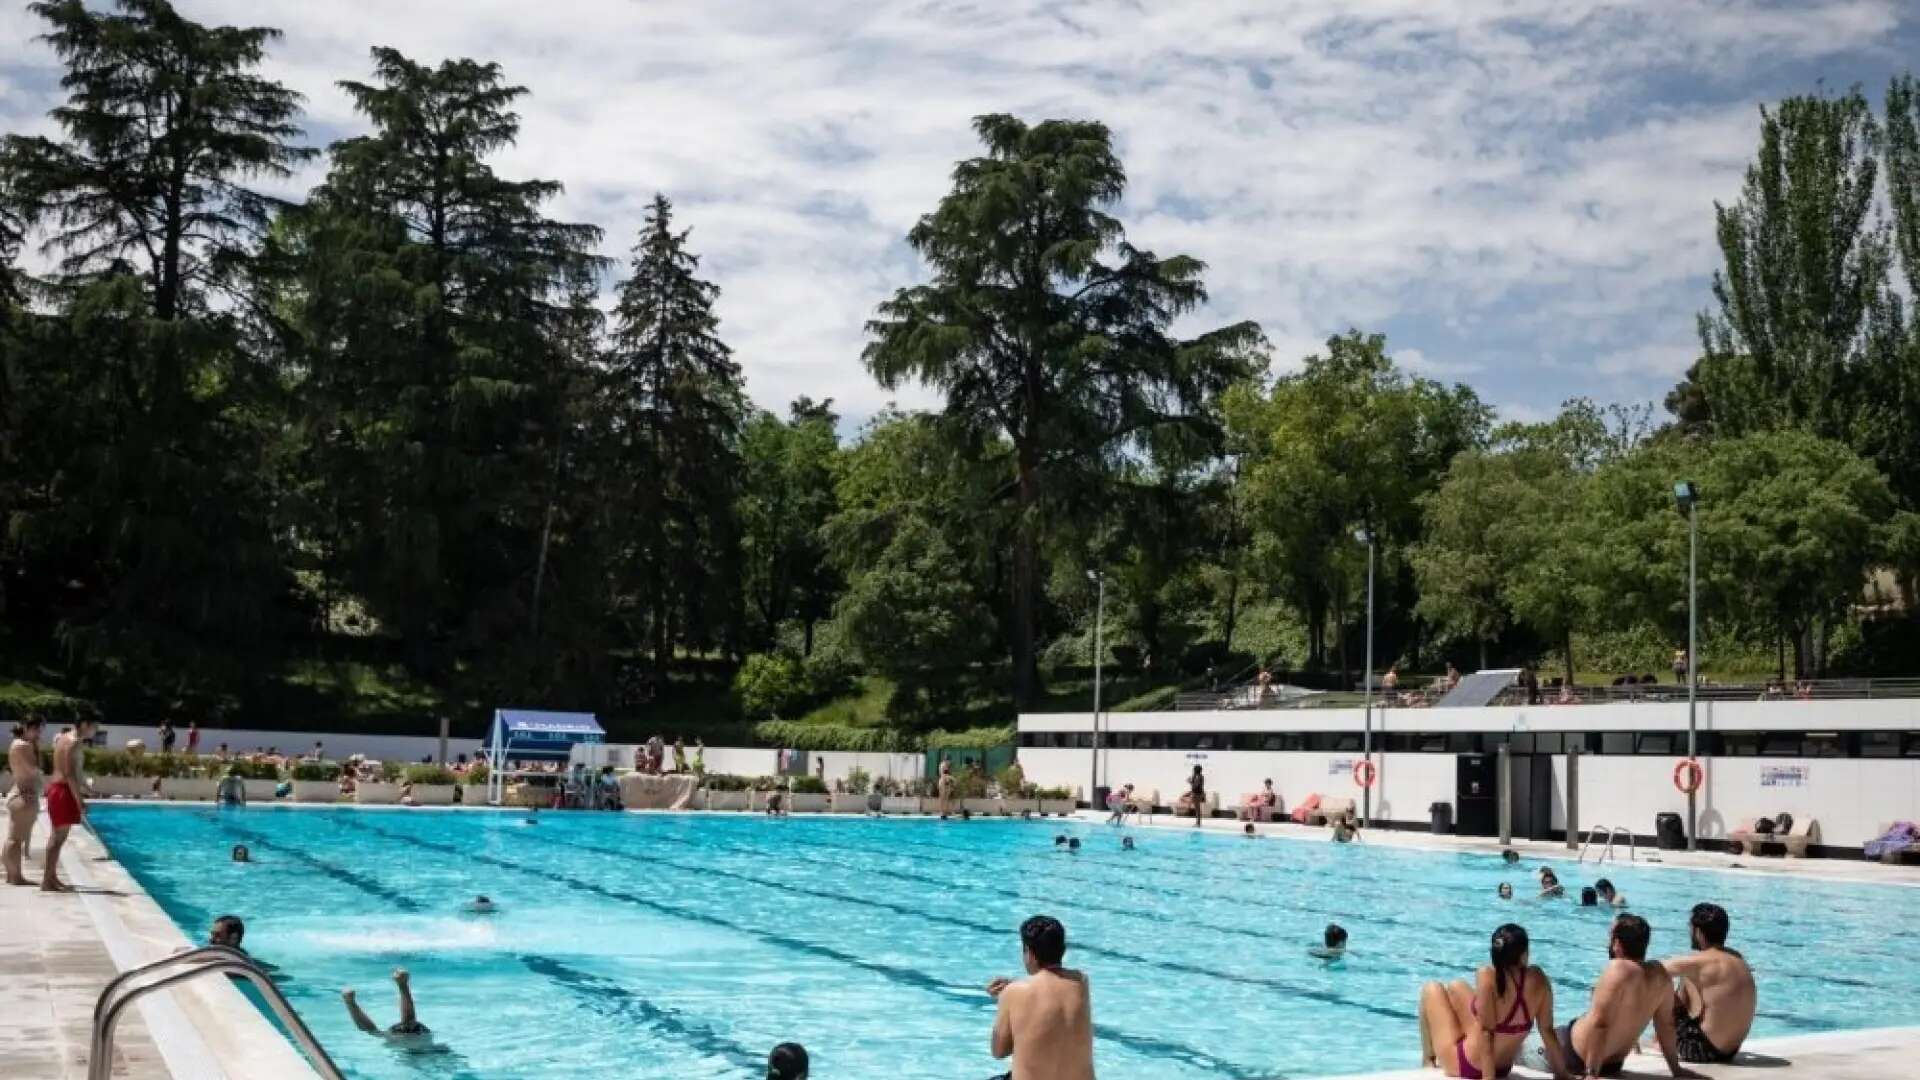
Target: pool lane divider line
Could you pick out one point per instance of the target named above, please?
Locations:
(330, 869)
(1567, 980)
(608, 996)
(1000, 932)
(970, 996)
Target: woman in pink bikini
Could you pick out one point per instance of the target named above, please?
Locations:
(1477, 1032)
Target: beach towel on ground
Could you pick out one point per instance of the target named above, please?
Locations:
(1903, 836)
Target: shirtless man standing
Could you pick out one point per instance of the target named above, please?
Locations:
(944, 786)
(23, 802)
(1713, 1007)
(65, 807)
(1045, 1021)
(1631, 992)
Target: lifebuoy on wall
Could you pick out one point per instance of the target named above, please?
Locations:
(1364, 773)
(1687, 776)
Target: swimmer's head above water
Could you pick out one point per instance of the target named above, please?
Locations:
(1509, 856)
(1506, 891)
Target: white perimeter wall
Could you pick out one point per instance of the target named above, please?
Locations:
(294, 743)
(1852, 798)
(745, 761)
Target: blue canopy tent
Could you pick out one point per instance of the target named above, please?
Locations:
(533, 735)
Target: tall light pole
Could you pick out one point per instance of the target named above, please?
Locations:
(1099, 620)
(1365, 536)
(1688, 497)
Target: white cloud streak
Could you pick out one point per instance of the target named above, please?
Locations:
(1522, 172)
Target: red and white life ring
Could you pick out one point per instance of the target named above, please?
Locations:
(1364, 773)
(1688, 775)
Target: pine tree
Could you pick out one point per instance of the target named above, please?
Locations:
(678, 407)
(146, 495)
(164, 118)
(1043, 326)
(431, 300)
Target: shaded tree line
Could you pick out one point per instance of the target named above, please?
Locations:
(235, 428)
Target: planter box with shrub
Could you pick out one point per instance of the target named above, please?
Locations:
(122, 787)
(725, 800)
(899, 804)
(188, 788)
(316, 781)
(432, 784)
(376, 793)
(809, 802)
(262, 790)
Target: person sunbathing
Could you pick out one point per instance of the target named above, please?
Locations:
(1713, 1005)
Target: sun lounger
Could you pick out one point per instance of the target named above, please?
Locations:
(1307, 807)
(1794, 841)
(1336, 806)
(1250, 810)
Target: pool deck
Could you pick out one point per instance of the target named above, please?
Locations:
(68, 946)
(57, 952)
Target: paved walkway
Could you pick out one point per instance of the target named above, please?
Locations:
(56, 964)
(69, 946)
(1843, 1055)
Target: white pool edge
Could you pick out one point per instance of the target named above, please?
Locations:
(204, 1029)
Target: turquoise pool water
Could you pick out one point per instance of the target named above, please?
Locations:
(686, 946)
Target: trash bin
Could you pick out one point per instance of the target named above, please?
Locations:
(1442, 818)
(1668, 832)
(1100, 798)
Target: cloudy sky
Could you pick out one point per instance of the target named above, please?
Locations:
(1517, 192)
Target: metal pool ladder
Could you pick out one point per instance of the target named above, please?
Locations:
(211, 960)
(1606, 852)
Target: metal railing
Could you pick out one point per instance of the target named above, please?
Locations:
(128, 988)
(1248, 696)
(1611, 834)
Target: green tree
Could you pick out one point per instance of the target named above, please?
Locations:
(1346, 443)
(427, 311)
(678, 409)
(1798, 336)
(786, 498)
(164, 119)
(1043, 326)
(910, 618)
(142, 483)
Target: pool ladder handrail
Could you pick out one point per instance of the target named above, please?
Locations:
(1611, 834)
(178, 968)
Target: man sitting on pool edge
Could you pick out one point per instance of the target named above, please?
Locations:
(1632, 992)
(1045, 1021)
(409, 1031)
(1713, 1004)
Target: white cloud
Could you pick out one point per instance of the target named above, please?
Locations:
(1537, 170)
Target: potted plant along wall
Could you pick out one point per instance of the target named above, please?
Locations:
(897, 796)
(473, 787)
(1056, 800)
(382, 792)
(316, 781)
(809, 795)
(725, 792)
(113, 776)
(262, 778)
(187, 778)
(851, 795)
(432, 784)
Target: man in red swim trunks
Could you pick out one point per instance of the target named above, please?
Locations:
(65, 807)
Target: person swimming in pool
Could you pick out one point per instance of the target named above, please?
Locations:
(1506, 891)
(1248, 831)
(1609, 895)
(1073, 846)
(1550, 886)
(1589, 898)
(1333, 944)
(1060, 840)
(409, 1031)
(481, 905)
(241, 854)
(1126, 843)
(1509, 856)
(1485, 1025)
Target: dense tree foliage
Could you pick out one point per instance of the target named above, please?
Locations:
(414, 424)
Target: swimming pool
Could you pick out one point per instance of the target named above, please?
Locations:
(685, 946)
